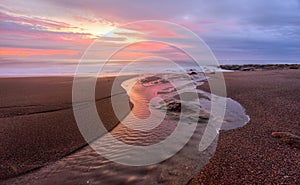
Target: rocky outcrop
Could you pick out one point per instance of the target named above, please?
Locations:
(253, 67)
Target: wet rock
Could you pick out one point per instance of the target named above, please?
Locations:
(170, 105)
(163, 81)
(288, 138)
(203, 116)
(247, 69)
(174, 106)
(203, 119)
(192, 73)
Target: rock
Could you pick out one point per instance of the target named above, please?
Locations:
(174, 106)
(163, 81)
(203, 119)
(253, 67)
(247, 69)
(294, 67)
(192, 73)
(230, 67)
(170, 105)
(288, 138)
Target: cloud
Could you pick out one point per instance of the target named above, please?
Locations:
(23, 36)
(232, 28)
(35, 52)
(46, 23)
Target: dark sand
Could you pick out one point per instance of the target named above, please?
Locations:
(37, 121)
(250, 155)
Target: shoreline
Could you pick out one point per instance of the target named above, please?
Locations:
(250, 154)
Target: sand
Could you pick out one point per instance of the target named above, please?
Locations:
(250, 155)
(38, 127)
(37, 121)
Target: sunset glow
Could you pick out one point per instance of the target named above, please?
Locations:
(63, 30)
(149, 92)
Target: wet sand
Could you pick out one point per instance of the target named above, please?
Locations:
(250, 155)
(37, 121)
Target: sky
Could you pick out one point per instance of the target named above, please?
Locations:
(55, 32)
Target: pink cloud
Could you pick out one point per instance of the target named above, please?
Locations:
(154, 30)
(35, 33)
(47, 23)
(149, 49)
(23, 52)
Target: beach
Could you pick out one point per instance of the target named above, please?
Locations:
(149, 92)
(37, 122)
(39, 129)
(250, 155)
